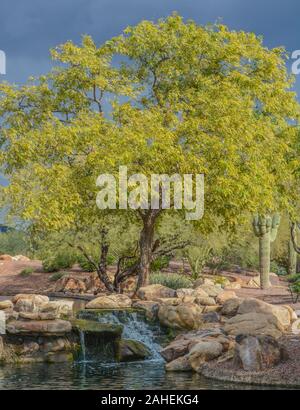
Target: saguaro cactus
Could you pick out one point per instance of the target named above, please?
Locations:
(265, 227)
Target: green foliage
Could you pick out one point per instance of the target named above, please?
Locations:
(26, 272)
(85, 265)
(14, 242)
(159, 263)
(278, 269)
(58, 261)
(198, 256)
(172, 280)
(56, 276)
(293, 278)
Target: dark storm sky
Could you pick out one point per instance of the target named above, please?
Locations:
(28, 28)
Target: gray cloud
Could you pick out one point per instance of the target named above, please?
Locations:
(29, 28)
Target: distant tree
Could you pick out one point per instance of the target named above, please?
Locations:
(167, 97)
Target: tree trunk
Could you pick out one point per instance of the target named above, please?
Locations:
(264, 260)
(146, 242)
(292, 254)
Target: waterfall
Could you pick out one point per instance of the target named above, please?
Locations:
(135, 327)
(82, 345)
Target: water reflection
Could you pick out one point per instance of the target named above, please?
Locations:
(95, 376)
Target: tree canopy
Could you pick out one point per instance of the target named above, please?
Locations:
(166, 97)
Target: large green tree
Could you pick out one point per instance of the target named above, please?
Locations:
(162, 98)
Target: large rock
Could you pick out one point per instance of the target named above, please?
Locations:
(6, 258)
(155, 291)
(37, 315)
(231, 306)
(211, 290)
(180, 293)
(131, 350)
(255, 324)
(61, 308)
(224, 296)
(177, 348)
(29, 302)
(283, 313)
(181, 364)
(39, 327)
(258, 353)
(71, 284)
(150, 307)
(113, 301)
(183, 316)
(6, 304)
(203, 352)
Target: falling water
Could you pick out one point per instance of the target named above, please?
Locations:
(82, 345)
(134, 327)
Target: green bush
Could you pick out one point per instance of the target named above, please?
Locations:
(26, 272)
(278, 269)
(14, 242)
(58, 262)
(85, 265)
(172, 280)
(160, 263)
(293, 278)
(56, 276)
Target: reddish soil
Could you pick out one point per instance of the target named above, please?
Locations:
(12, 283)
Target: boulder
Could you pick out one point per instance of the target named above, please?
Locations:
(198, 282)
(61, 308)
(39, 327)
(181, 364)
(150, 307)
(204, 351)
(114, 301)
(205, 301)
(6, 304)
(6, 258)
(131, 350)
(210, 317)
(71, 284)
(258, 353)
(211, 290)
(155, 291)
(37, 315)
(233, 286)
(230, 307)
(224, 296)
(183, 316)
(177, 348)
(254, 324)
(21, 258)
(282, 313)
(29, 302)
(180, 293)
(296, 327)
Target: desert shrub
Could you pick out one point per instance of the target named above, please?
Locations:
(173, 280)
(198, 256)
(14, 242)
(26, 272)
(280, 270)
(56, 276)
(85, 265)
(293, 278)
(160, 263)
(62, 260)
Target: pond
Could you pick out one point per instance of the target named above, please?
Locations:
(96, 376)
